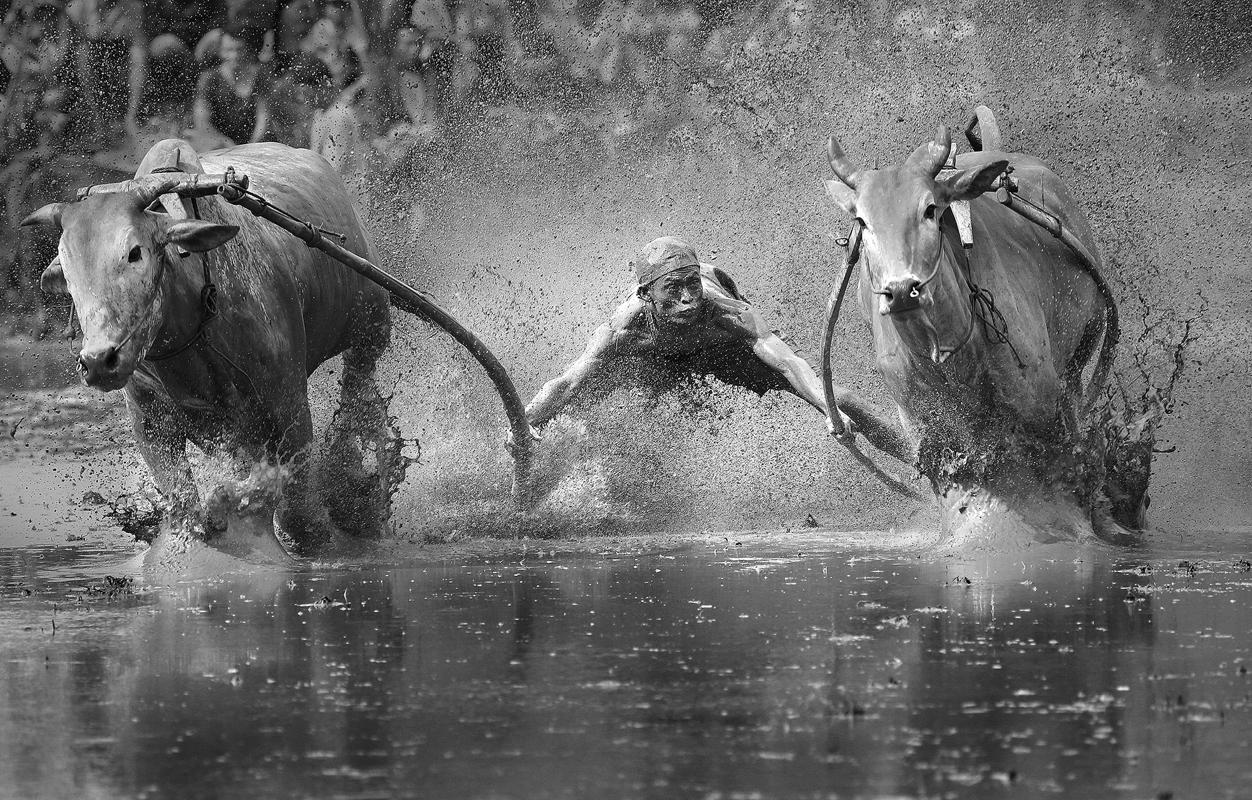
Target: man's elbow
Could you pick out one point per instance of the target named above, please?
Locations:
(797, 370)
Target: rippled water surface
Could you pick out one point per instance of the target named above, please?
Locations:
(778, 667)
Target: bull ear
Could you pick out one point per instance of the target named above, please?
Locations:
(969, 183)
(52, 281)
(843, 195)
(48, 215)
(199, 236)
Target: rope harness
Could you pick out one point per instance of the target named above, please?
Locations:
(982, 306)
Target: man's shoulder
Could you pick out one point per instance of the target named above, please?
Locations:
(731, 310)
(626, 323)
(721, 283)
(627, 314)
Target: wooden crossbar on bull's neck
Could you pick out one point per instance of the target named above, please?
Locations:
(184, 184)
(232, 187)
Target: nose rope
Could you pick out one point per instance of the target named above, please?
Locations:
(921, 283)
(934, 270)
(982, 309)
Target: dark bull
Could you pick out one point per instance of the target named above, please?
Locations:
(211, 320)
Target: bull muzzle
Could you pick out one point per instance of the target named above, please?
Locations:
(903, 294)
(101, 367)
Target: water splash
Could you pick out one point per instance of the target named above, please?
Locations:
(362, 465)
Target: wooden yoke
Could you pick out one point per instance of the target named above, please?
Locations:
(182, 184)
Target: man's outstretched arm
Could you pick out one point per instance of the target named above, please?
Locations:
(772, 350)
(557, 393)
(775, 353)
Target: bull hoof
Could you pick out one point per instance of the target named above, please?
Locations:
(241, 524)
(251, 537)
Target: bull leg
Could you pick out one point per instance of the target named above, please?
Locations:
(358, 492)
(357, 431)
(302, 515)
(162, 442)
(1078, 361)
(361, 408)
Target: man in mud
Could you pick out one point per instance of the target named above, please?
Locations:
(688, 318)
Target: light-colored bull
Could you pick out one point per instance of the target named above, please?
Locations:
(982, 347)
(237, 381)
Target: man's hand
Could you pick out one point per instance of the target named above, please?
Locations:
(849, 432)
(510, 444)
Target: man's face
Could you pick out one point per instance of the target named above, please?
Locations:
(678, 296)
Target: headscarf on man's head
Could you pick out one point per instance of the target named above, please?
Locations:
(662, 256)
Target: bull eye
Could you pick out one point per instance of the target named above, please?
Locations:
(929, 213)
(135, 254)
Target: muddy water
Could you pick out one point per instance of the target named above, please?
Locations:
(749, 666)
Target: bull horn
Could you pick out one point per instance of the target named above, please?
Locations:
(148, 194)
(931, 156)
(47, 215)
(840, 164)
(939, 150)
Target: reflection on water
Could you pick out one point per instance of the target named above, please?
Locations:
(785, 669)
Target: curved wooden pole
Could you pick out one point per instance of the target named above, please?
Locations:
(851, 257)
(406, 298)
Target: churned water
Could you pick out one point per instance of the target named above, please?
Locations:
(733, 666)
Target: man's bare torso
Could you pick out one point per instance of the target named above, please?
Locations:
(718, 342)
(637, 331)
